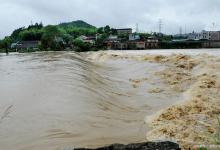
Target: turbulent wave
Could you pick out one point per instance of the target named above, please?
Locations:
(80, 101)
(91, 99)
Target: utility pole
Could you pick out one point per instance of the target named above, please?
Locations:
(160, 25)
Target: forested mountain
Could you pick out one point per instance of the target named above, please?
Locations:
(76, 24)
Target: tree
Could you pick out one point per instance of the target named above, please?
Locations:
(33, 32)
(107, 29)
(48, 38)
(166, 38)
(67, 38)
(36, 26)
(101, 40)
(100, 30)
(144, 36)
(6, 42)
(31, 35)
(114, 31)
(15, 34)
(82, 46)
(1, 44)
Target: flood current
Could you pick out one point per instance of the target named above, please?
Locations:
(60, 100)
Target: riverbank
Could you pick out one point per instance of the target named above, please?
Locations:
(197, 78)
(163, 51)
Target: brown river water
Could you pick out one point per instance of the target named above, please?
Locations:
(60, 100)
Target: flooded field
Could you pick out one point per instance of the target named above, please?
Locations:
(60, 100)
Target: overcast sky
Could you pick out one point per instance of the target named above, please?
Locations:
(188, 14)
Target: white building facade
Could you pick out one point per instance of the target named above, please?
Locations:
(205, 35)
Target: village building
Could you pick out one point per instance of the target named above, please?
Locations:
(89, 39)
(134, 37)
(136, 44)
(122, 46)
(112, 45)
(25, 45)
(193, 36)
(214, 35)
(140, 45)
(59, 40)
(205, 35)
(152, 43)
(112, 42)
(124, 31)
(113, 38)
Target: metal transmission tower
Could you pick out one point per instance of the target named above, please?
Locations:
(213, 26)
(181, 31)
(160, 25)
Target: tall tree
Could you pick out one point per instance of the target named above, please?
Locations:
(15, 34)
(6, 43)
(107, 29)
(100, 30)
(50, 33)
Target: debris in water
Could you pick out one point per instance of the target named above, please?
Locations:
(156, 90)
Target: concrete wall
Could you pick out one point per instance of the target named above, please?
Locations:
(214, 35)
(211, 44)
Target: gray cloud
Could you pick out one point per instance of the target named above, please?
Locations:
(191, 15)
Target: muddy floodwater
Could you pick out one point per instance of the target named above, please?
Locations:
(62, 100)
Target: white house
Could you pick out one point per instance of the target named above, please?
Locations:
(205, 35)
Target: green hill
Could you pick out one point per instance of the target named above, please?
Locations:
(68, 32)
(76, 24)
